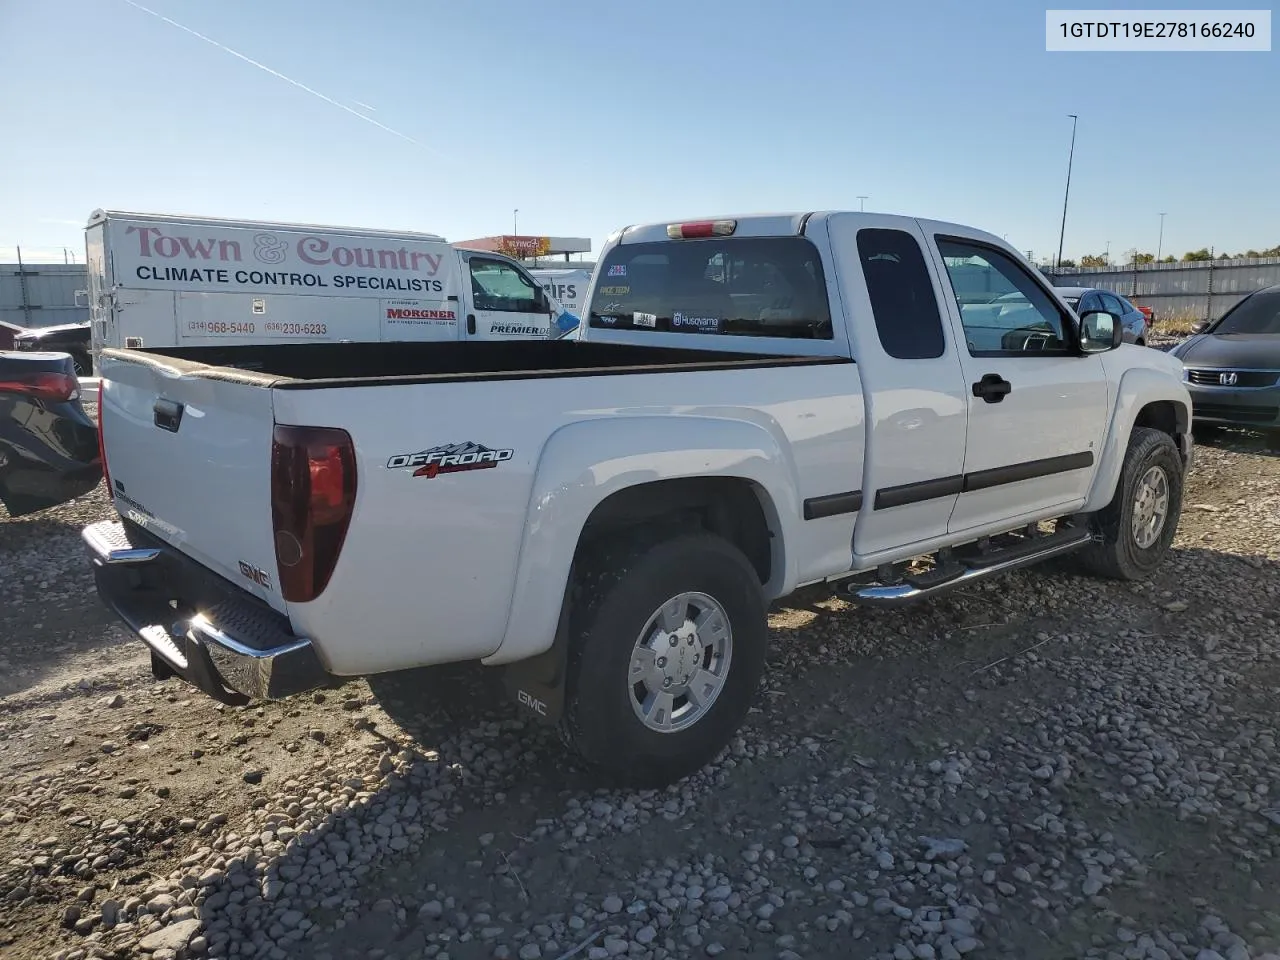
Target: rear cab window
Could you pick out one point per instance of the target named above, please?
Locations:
(724, 286)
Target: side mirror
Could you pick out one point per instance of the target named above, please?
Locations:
(1100, 331)
(1199, 326)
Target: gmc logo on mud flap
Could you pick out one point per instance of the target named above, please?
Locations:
(532, 702)
(256, 574)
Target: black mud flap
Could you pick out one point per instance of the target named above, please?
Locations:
(537, 684)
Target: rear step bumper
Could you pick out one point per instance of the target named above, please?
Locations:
(198, 626)
(968, 569)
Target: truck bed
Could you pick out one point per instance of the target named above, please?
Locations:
(303, 365)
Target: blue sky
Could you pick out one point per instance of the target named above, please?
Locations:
(592, 114)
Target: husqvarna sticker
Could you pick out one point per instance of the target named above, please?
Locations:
(695, 324)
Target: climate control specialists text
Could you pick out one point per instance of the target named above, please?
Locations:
(283, 278)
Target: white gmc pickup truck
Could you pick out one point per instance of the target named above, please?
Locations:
(889, 405)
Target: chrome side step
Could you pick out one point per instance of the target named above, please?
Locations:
(978, 568)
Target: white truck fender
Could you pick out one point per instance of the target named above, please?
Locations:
(585, 462)
(1138, 387)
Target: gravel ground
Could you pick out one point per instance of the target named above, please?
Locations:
(1043, 766)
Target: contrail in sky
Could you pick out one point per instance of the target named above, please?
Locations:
(276, 73)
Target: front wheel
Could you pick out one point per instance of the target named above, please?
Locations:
(1137, 526)
(667, 648)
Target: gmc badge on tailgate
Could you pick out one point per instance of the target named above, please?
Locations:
(256, 574)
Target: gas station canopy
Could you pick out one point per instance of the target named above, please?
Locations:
(527, 247)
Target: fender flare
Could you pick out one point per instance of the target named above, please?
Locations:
(1138, 387)
(584, 463)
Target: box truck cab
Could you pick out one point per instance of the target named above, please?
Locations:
(159, 281)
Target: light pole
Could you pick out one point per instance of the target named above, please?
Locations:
(515, 221)
(862, 206)
(1070, 156)
(1160, 242)
(1107, 254)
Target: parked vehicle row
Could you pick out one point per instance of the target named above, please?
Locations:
(749, 405)
(48, 446)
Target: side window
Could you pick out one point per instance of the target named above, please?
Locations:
(902, 297)
(499, 286)
(1112, 305)
(1003, 310)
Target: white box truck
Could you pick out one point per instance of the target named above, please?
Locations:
(171, 281)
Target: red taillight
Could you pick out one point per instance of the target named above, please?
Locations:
(699, 229)
(313, 491)
(102, 446)
(58, 387)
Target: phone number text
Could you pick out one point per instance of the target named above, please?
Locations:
(298, 329)
(219, 326)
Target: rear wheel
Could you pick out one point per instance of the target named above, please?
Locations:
(1136, 528)
(81, 362)
(668, 643)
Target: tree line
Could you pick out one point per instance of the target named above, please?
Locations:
(1191, 256)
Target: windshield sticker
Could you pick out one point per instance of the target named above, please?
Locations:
(614, 291)
(608, 321)
(644, 319)
(618, 270)
(687, 321)
(450, 458)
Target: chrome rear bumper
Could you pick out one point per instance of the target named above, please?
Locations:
(197, 625)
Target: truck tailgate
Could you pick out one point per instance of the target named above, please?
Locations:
(188, 450)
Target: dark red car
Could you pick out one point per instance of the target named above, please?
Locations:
(7, 332)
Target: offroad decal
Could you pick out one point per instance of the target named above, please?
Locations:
(449, 458)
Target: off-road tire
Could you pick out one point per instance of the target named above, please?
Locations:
(1117, 555)
(619, 587)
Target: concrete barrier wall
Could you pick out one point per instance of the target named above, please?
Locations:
(1178, 292)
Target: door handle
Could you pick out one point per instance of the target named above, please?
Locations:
(471, 323)
(992, 388)
(168, 414)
